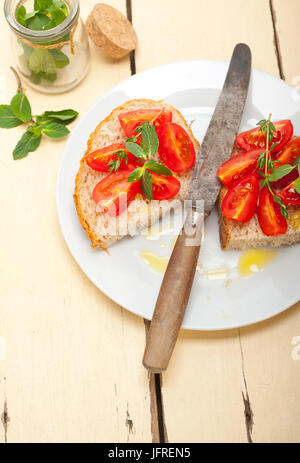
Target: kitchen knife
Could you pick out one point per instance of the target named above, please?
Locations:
(216, 148)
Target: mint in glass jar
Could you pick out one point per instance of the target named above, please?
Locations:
(49, 42)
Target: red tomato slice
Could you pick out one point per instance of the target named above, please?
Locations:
(254, 139)
(232, 171)
(132, 119)
(290, 196)
(114, 193)
(239, 203)
(269, 215)
(288, 156)
(99, 159)
(175, 148)
(164, 187)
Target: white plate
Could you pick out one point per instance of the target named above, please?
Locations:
(193, 87)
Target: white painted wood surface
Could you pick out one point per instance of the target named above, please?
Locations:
(72, 370)
(73, 365)
(211, 373)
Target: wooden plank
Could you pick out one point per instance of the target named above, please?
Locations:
(202, 389)
(159, 430)
(273, 377)
(73, 363)
(271, 366)
(286, 19)
(217, 381)
(201, 29)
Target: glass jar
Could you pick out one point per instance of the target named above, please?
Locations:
(54, 60)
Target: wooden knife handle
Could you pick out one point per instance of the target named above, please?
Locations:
(174, 294)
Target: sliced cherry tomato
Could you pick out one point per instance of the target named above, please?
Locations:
(164, 187)
(239, 203)
(269, 215)
(232, 171)
(99, 160)
(175, 148)
(114, 193)
(289, 195)
(132, 119)
(254, 139)
(288, 156)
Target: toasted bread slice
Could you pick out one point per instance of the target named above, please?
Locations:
(240, 236)
(102, 229)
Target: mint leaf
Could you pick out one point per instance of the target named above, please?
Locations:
(57, 15)
(62, 5)
(135, 175)
(7, 118)
(38, 22)
(30, 15)
(50, 77)
(61, 60)
(158, 168)
(21, 15)
(261, 160)
(146, 185)
(297, 185)
(35, 129)
(21, 107)
(114, 165)
(131, 139)
(67, 115)
(138, 129)
(149, 140)
(42, 4)
(40, 61)
(283, 208)
(280, 172)
(51, 24)
(46, 15)
(54, 129)
(29, 142)
(136, 150)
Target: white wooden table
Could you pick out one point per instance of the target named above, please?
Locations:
(70, 359)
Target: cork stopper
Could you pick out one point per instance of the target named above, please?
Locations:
(111, 31)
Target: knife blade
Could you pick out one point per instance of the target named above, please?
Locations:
(216, 148)
(219, 139)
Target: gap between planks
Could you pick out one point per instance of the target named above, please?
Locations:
(248, 412)
(5, 419)
(158, 424)
(158, 427)
(276, 41)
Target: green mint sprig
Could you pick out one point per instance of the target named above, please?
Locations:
(144, 152)
(265, 161)
(50, 123)
(266, 126)
(116, 163)
(144, 175)
(46, 15)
